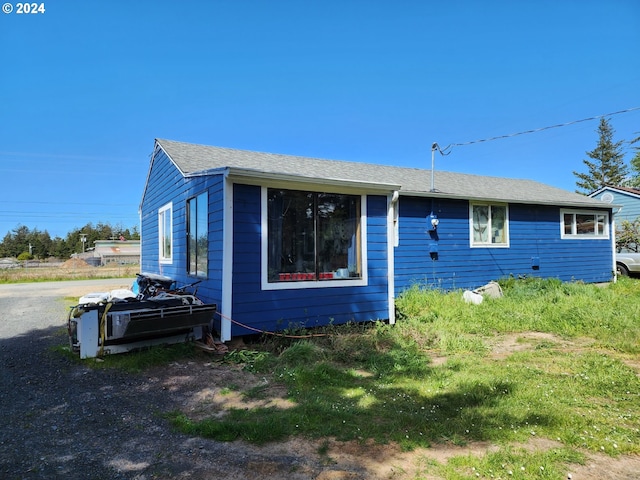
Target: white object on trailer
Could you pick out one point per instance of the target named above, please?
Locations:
(94, 298)
(121, 293)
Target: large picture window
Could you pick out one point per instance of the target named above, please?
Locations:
(165, 233)
(489, 225)
(313, 237)
(584, 224)
(197, 238)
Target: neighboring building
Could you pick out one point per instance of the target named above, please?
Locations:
(280, 241)
(627, 199)
(120, 252)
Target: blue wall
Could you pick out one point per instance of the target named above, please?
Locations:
(534, 232)
(166, 184)
(630, 205)
(265, 310)
(281, 309)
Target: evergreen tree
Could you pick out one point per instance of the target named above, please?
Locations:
(635, 164)
(606, 167)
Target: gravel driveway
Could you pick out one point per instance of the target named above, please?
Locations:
(61, 419)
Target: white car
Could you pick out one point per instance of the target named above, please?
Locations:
(627, 263)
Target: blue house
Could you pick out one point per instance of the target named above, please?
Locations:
(626, 199)
(282, 241)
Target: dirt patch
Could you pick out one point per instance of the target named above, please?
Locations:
(75, 263)
(219, 388)
(509, 344)
(603, 467)
(519, 342)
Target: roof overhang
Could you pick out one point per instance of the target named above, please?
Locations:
(262, 177)
(589, 203)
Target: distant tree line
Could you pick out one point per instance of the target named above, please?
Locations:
(25, 243)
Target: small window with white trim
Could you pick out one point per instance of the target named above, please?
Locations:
(165, 233)
(584, 224)
(489, 225)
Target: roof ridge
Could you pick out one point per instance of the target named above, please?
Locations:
(323, 159)
(193, 158)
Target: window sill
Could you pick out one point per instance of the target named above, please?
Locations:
(304, 284)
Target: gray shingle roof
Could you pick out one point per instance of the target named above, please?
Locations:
(194, 159)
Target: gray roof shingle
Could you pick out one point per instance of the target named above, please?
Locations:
(194, 159)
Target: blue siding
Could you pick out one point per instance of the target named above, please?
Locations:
(166, 184)
(630, 205)
(534, 232)
(280, 309)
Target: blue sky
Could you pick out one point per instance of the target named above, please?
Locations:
(86, 87)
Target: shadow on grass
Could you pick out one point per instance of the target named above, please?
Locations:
(392, 394)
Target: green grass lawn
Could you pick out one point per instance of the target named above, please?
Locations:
(575, 382)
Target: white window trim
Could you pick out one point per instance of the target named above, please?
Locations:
(506, 226)
(264, 275)
(161, 233)
(575, 236)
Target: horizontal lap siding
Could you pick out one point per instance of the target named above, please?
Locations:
(210, 288)
(630, 204)
(534, 231)
(280, 309)
(166, 184)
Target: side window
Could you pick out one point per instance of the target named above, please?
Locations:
(197, 235)
(165, 233)
(489, 225)
(584, 224)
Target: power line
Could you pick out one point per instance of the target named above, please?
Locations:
(94, 204)
(68, 156)
(447, 149)
(64, 215)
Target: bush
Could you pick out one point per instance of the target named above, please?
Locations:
(25, 256)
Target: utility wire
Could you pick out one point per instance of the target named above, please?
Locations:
(447, 149)
(266, 332)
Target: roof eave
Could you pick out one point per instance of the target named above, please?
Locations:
(453, 196)
(235, 172)
(210, 171)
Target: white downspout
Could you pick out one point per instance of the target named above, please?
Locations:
(227, 262)
(392, 241)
